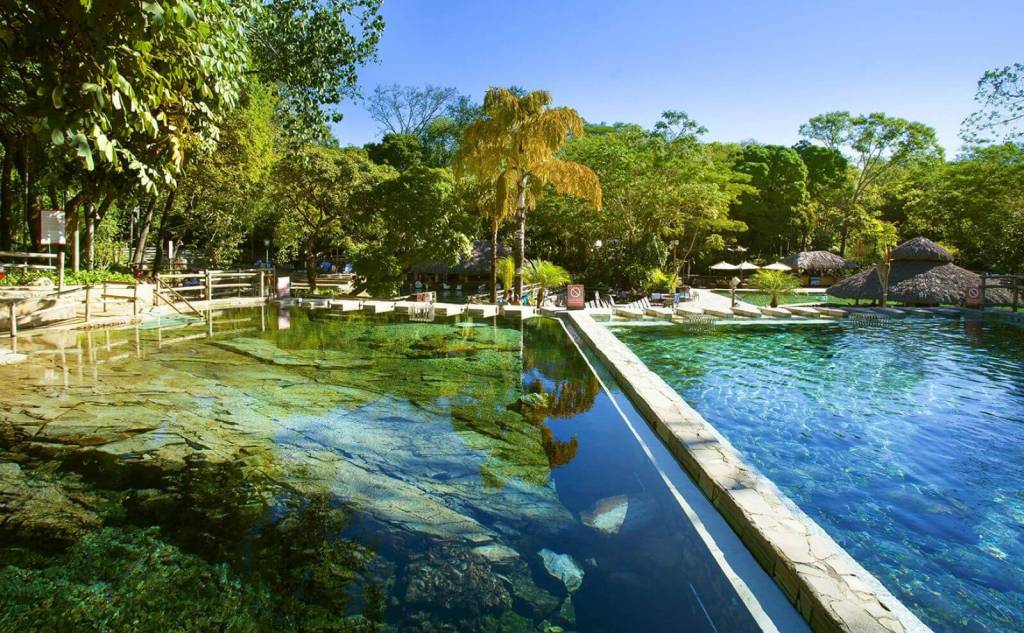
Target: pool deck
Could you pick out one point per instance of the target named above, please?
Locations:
(828, 587)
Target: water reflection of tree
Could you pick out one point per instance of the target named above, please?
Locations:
(289, 543)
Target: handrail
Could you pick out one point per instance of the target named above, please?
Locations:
(181, 298)
(28, 255)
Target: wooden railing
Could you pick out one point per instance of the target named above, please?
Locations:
(208, 284)
(27, 263)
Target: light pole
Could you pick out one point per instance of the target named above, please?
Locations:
(735, 281)
(266, 245)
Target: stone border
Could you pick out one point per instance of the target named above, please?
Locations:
(828, 587)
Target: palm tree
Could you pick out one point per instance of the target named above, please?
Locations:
(505, 270)
(546, 275)
(775, 282)
(513, 146)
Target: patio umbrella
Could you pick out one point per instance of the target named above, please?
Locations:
(776, 266)
(724, 267)
(747, 266)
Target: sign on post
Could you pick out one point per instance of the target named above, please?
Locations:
(284, 287)
(51, 227)
(575, 298)
(972, 296)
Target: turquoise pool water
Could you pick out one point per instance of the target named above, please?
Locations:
(315, 471)
(903, 439)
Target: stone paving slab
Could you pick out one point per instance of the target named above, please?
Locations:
(777, 313)
(828, 587)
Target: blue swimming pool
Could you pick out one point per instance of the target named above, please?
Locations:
(904, 439)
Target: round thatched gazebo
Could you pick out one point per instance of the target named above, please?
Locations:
(922, 273)
(822, 267)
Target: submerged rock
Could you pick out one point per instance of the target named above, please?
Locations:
(564, 568)
(607, 515)
(40, 512)
(451, 577)
(496, 553)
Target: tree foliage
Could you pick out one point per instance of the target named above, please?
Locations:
(875, 145)
(1000, 98)
(513, 147)
(412, 219)
(776, 209)
(313, 193)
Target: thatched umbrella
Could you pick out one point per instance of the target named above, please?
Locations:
(922, 273)
(816, 262)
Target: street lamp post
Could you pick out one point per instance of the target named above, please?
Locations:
(266, 245)
(735, 281)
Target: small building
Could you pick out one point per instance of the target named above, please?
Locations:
(817, 268)
(921, 273)
(471, 271)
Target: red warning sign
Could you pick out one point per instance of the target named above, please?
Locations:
(575, 298)
(972, 296)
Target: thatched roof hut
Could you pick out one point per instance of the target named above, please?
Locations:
(478, 262)
(922, 273)
(816, 262)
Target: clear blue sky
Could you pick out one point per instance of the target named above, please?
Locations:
(745, 69)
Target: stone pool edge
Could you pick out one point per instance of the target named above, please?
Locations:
(831, 590)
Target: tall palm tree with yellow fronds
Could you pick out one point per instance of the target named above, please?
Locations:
(512, 146)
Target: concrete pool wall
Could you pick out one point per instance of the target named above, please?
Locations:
(831, 590)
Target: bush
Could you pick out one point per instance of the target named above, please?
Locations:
(18, 277)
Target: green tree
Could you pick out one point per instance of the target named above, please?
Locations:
(223, 199)
(310, 51)
(875, 144)
(776, 213)
(506, 269)
(414, 218)
(546, 276)
(313, 193)
(775, 282)
(400, 151)
(975, 203)
(1001, 99)
(828, 186)
(513, 146)
(657, 189)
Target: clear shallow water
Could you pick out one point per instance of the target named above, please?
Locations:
(312, 471)
(904, 440)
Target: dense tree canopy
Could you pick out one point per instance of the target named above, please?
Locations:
(776, 209)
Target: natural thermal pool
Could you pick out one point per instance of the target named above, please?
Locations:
(314, 471)
(904, 439)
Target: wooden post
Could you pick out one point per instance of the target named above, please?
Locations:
(135, 300)
(103, 297)
(75, 251)
(209, 287)
(156, 289)
(14, 319)
(263, 287)
(60, 271)
(88, 303)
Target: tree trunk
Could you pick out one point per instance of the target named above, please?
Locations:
(775, 299)
(520, 237)
(139, 255)
(6, 201)
(311, 268)
(494, 263)
(161, 237)
(90, 235)
(540, 297)
(31, 199)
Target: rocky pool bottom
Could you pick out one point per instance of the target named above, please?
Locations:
(312, 471)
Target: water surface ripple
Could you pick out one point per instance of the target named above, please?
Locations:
(904, 440)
